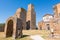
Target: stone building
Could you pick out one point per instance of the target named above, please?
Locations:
(51, 21)
(57, 16)
(21, 14)
(31, 17)
(22, 19)
(14, 24)
(45, 24)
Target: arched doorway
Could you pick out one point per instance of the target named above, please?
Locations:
(40, 28)
(9, 31)
(28, 25)
(48, 27)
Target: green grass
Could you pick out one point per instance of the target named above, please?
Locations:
(27, 33)
(43, 33)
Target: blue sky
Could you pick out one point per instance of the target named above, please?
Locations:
(42, 7)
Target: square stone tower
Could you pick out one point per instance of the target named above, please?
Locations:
(31, 17)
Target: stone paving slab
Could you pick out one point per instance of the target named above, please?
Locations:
(36, 37)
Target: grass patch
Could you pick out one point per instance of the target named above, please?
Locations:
(27, 33)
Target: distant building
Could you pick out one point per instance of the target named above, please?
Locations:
(45, 24)
(51, 21)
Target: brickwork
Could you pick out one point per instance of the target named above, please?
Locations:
(18, 22)
(21, 14)
(31, 17)
(15, 24)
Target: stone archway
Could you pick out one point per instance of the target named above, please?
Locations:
(10, 27)
(13, 27)
(9, 30)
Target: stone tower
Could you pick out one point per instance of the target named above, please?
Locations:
(31, 17)
(57, 16)
(57, 10)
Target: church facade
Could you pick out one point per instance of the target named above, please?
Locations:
(51, 21)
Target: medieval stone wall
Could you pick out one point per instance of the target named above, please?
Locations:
(21, 14)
